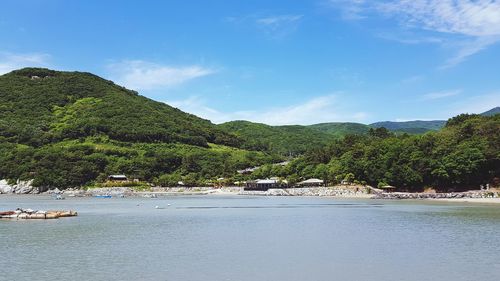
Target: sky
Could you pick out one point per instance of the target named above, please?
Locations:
(274, 62)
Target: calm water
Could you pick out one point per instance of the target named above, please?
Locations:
(251, 238)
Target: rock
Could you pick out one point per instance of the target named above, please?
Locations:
(23, 187)
(5, 187)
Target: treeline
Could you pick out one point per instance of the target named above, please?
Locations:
(464, 154)
(86, 162)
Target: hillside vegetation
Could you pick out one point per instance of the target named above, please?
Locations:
(73, 129)
(283, 140)
(67, 129)
(341, 129)
(40, 106)
(463, 155)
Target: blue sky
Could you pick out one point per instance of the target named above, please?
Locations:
(275, 62)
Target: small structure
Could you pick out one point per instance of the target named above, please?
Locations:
(262, 184)
(117, 178)
(311, 182)
(247, 171)
(388, 188)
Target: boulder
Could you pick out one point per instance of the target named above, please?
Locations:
(24, 187)
(5, 187)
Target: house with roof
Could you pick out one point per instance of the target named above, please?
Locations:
(263, 184)
(311, 182)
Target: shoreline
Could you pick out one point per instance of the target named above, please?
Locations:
(338, 191)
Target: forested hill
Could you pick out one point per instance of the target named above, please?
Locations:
(411, 127)
(340, 129)
(491, 112)
(72, 129)
(284, 140)
(39, 106)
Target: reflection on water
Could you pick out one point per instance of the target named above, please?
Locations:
(251, 238)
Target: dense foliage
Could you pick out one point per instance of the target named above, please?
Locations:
(70, 129)
(284, 140)
(80, 162)
(464, 154)
(66, 129)
(40, 106)
(341, 129)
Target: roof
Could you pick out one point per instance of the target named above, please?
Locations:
(312, 181)
(268, 181)
(118, 176)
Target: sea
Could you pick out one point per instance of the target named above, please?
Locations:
(250, 238)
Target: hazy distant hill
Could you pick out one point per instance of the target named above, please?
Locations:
(420, 127)
(492, 111)
(414, 127)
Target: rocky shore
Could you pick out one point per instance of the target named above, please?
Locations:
(340, 191)
(20, 187)
(331, 191)
(451, 195)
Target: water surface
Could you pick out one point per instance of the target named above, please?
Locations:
(251, 238)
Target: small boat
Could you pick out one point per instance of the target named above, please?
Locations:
(103, 196)
(59, 197)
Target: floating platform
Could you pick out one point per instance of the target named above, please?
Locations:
(28, 214)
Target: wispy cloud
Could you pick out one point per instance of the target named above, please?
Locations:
(11, 61)
(475, 24)
(440, 95)
(276, 21)
(143, 75)
(350, 9)
(473, 18)
(477, 21)
(275, 26)
(316, 110)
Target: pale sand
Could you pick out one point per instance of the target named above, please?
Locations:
(469, 200)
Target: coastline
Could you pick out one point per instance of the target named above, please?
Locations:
(468, 200)
(338, 191)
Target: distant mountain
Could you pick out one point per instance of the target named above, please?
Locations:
(284, 140)
(412, 127)
(420, 127)
(339, 129)
(492, 111)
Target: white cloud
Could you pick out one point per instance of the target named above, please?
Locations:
(477, 21)
(10, 61)
(320, 109)
(441, 94)
(143, 75)
(466, 17)
(472, 24)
